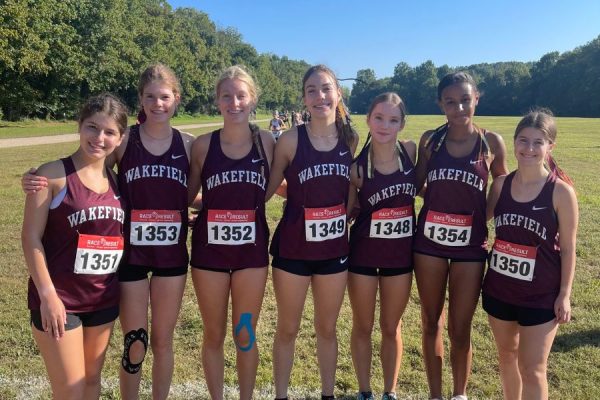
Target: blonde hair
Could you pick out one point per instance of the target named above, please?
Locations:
(240, 73)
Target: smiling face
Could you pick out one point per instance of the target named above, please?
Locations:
(532, 147)
(234, 100)
(458, 102)
(159, 101)
(385, 122)
(99, 135)
(321, 95)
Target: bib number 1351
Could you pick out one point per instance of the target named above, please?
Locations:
(98, 255)
(321, 224)
(448, 229)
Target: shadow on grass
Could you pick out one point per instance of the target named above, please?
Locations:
(570, 341)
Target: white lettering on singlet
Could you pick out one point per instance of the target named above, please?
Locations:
(393, 190)
(324, 170)
(509, 219)
(96, 213)
(156, 171)
(451, 174)
(236, 176)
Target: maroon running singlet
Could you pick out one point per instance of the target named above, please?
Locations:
(231, 231)
(83, 243)
(382, 235)
(155, 189)
(524, 264)
(452, 221)
(313, 225)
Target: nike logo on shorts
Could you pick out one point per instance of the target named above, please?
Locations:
(343, 260)
(174, 157)
(534, 208)
(343, 153)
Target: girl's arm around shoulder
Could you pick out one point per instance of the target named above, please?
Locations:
(422, 158)
(565, 205)
(285, 150)
(493, 195)
(411, 149)
(498, 165)
(199, 149)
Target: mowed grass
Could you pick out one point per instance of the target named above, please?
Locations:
(36, 127)
(573, 365)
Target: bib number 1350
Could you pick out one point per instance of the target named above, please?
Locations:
(321, 224)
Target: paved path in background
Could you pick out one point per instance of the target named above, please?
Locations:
(32, 141)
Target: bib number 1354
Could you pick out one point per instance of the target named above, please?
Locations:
(325, 223)
(448, 229)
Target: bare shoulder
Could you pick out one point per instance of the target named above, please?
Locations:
(201, 143)
(267, 140)
(495, 140)
(563, 192)
(52, 170)
(425, 137)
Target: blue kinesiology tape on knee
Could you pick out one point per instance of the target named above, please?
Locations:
(245, 322)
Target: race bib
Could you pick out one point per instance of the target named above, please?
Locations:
(392, 223)
(514, 260)
(98, 255)
(231, 227)
(321, 224)
(155, 227)
(448, 229)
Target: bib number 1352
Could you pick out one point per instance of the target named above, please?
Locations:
(231, 227)
(325, 223)
(448, 229)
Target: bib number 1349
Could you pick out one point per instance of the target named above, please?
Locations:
(448, 229)
(325, 223)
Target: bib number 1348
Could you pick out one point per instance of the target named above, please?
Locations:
(448, 229)
(325, 223)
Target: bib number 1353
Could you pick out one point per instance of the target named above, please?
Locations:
(321, 224)
(98, 255)
(448, 229)
(155, 227)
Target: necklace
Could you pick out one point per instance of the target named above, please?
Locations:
(331, 135)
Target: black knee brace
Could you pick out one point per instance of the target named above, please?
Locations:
(128, 340)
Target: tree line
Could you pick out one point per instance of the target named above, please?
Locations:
(567, 83)
(56, 53)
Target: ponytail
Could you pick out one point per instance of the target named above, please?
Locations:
(343, 124)
(553, 167)
(141, 117)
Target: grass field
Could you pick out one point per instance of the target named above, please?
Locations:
(573, 365)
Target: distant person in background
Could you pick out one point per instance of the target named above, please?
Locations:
(230, 237)
(276, 125)
(309, 249)
(306, 116)
(72, 240)
(527, 287)
(383, 178)
(450, 248)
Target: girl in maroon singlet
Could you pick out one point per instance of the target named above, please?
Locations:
(73, 241)
(454, 165)
(381, 240)
(527, 287)
(310, 244)
(230, 237)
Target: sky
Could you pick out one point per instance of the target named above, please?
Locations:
(352, 35)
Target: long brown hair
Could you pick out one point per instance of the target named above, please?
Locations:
(343, 122)
(543, 120)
